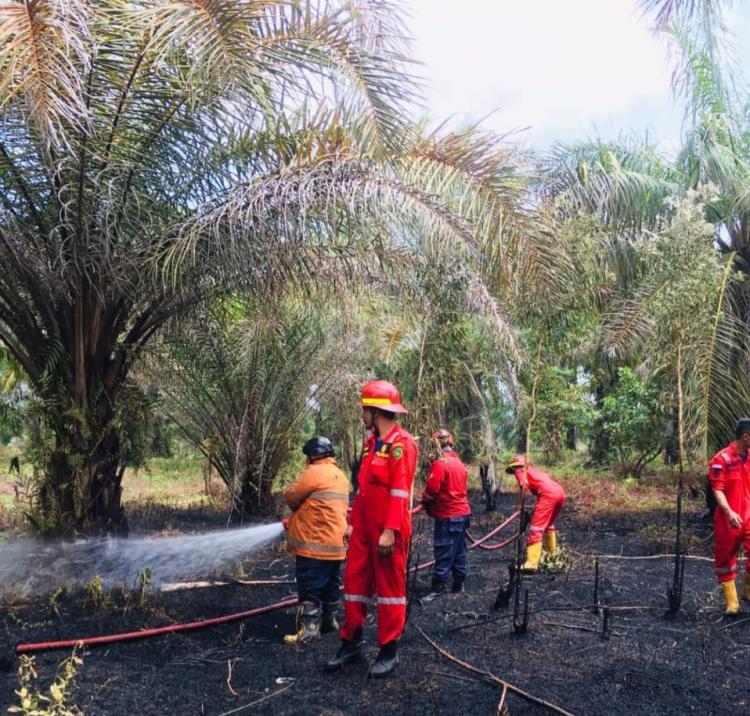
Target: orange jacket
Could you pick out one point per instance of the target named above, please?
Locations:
(319, 500)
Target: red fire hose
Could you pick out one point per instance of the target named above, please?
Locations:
(480, 542)
(29, 647)
(498, 545)
(145, 633)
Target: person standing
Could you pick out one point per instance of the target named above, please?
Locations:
(550, 499)
(729, 475)
(379, 531)
(444, 498)
(319, 500)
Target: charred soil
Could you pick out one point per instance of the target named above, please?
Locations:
(643, 663)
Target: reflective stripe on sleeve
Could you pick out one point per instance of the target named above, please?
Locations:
(536, 529)
(398, 493)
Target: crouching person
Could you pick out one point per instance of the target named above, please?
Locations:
(445, 500)
(319, 500)
(550, 500)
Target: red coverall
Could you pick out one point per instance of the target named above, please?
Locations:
(727, 472)
(444, 498)
(385, 478)
(445, 490)
(550, 499)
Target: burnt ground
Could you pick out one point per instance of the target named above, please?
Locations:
(694, 663)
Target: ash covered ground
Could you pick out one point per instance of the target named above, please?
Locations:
(697, 662)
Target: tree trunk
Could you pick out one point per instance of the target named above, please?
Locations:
(571, 437)
(671, 442)
(81, 483)
(600, 442)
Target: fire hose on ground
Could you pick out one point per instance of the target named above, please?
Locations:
(32, 647)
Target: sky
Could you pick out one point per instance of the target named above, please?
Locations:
(558, 69)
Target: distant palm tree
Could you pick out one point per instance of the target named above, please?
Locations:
(625, 184)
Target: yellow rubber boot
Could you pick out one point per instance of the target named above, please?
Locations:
(746, 590)
(730, 597)
(308, 624)
(533, 555)
(550, 542)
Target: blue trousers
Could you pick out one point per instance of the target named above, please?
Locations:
(318, 580)
(449, 543)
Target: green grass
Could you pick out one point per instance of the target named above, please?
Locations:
(178, 481)
(170, 480)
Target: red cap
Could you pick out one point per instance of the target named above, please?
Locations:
(381, 394)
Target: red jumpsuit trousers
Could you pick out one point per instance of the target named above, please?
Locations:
(382, 502)
(550, 499)
(730, 474)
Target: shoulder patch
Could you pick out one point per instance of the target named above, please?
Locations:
(397, 452)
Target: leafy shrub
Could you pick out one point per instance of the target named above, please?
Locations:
(37, 703)
(635, 421)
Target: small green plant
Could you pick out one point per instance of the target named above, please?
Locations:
(94, 590)
(239, 571)
(555, 563)
(144, 582)
(34, 702)
(54, 601)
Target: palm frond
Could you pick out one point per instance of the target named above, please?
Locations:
(627, 325)
(44, 57)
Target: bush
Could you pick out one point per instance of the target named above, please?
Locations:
(635, 421)
(561, 404)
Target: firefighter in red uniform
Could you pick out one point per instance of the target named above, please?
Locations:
(444, 498)
(379, 531)
(550, 499)
(729, 475)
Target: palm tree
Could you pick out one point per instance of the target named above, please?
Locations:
(130, 131)
(153, 156)
(626, 186)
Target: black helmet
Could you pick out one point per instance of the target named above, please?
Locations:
(742, 427)
(319, 446)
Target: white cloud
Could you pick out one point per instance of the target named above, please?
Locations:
(558, 66)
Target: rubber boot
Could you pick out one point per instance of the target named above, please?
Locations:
(436, 589)
(730, 597)
(746, 590)
(386, 661)
(550, 542)
(328, 621)
(533, 555)
(348, 653)
(458, 585)
(308, 624)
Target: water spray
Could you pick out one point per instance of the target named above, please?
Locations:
(37, 567)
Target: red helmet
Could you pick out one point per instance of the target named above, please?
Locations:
(515, 463)
(381, 394)
(444, 436)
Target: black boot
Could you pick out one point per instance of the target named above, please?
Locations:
(348, 653)
(458, 586)
(437, 589)
(308, 624)
(386, 661)
(328, 621)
